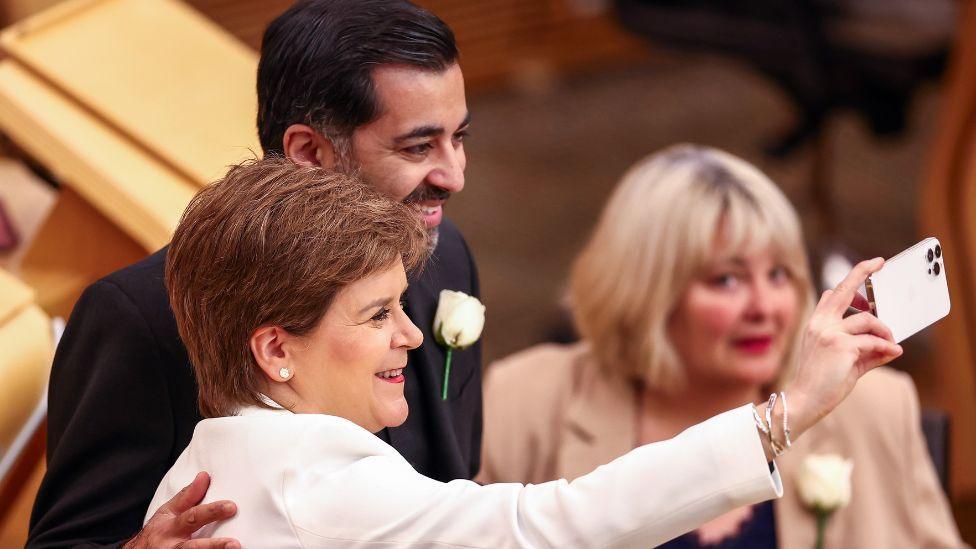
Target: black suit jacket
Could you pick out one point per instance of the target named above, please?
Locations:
(123, 400)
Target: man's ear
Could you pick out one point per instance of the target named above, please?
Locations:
(268, 347)
(307, 147)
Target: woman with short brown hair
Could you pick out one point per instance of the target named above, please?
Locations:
(281, 241)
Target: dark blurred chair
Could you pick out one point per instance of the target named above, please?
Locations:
(868, 55)
(935, 427)
(865, 55)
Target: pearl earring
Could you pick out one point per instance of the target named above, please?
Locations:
(284, 373)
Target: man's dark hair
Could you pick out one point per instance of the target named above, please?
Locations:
(317, 58)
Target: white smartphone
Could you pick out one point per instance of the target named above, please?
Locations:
(910, 292)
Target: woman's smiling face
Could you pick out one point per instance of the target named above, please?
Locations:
(351, 364)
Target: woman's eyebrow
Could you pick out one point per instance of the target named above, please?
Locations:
(735, 261)
(379, 302)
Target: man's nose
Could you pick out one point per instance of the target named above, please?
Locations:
(448, 173)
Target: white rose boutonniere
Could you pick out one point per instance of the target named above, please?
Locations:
(824, 483)
(457, 325)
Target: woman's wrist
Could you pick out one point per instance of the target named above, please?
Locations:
(784, 423)
(802, 413)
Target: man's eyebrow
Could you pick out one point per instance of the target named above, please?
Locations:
(420, 131)
(429, 130)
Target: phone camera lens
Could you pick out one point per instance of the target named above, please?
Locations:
(936, 268)
(931, 255)
(938, 251)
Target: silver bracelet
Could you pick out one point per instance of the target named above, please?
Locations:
(759, 422)
(786, 424)
(778, 449)
(769, 414)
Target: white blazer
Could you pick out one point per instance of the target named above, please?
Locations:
(312, 480)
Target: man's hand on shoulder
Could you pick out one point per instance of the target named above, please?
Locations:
(175, 522)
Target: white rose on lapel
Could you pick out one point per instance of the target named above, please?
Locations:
(457, 325)
(459, 319)
(824, 482)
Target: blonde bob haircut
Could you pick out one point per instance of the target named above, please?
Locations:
(657, 233)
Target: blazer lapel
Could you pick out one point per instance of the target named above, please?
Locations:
(600, 424)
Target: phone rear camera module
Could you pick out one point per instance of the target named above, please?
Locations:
(931, 255)
(938, 251)
(936, 268)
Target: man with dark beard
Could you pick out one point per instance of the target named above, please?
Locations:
(371, 86)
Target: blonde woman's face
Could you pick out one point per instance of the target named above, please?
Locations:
(733, 323)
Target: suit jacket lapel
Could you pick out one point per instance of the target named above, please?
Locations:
(437, 437)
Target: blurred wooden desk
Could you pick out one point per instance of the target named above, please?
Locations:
(132, 105)
(26, 350)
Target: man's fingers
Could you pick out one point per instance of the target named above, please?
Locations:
(197, 517)
(866, 323)
(214, 543)
(837, 300)
(189, 496)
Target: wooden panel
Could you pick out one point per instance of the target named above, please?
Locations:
(13, 526)
(947, 209)
(126, 184)
(156, 70)
(25, 361)
(496, 38)
(245, 19)
(76, 246)
(14, 296)
(15, 10)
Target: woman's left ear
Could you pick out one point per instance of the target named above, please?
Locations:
(268, 347)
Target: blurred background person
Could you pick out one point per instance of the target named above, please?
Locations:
(690, 296)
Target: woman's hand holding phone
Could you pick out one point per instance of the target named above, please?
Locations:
(837, 351)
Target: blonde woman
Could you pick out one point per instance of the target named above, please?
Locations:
(690, 297)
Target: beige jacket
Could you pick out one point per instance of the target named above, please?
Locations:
(549, 414)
